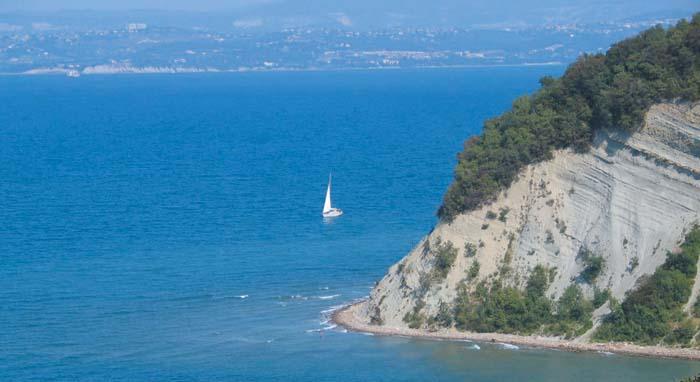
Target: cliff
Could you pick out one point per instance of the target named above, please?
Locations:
(629, 200)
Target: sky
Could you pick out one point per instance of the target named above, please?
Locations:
(385, 12)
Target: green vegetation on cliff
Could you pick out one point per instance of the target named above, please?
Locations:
(651, 313)
(445, 255)
(506, 309)
(596, 92)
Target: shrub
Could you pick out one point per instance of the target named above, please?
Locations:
(473, 270)
(491, 215)
(696, 308)
(469, 250)
(549, 238)
(424, 281)
(634, 263)
(682, 334)
(538, 282)
(600, 297)
(592, 266)
(572, 305)
(415, 318)
(376, 317)
(503, 214)
(561, 225)
(443, 318)
(573, 314)
(445, 255)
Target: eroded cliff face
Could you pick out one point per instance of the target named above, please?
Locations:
(630, 200)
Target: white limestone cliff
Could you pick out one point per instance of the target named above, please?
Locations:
(630, 199)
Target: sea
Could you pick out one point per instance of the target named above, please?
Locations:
(168, 227)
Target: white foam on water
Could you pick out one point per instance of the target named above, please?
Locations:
(332, 309)
(242, 296)
(509, 346)
(474, 347)
(328, 297)
(605, 353)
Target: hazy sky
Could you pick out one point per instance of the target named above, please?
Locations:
(199, 5)
(398, 5)
(387, 12)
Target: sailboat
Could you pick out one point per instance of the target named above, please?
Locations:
(328, 211)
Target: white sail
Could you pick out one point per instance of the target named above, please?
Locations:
(327, 204)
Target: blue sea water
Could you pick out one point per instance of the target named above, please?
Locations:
(168, 227)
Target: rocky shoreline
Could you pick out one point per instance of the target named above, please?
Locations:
(348, 318)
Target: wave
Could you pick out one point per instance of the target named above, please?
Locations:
(329, 311)
(252, 340)
(474, 347)
(223, 297)
(292, 297)
(509, 346)
(605, 353)
(329, 297)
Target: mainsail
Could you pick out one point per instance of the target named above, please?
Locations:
(327, 204)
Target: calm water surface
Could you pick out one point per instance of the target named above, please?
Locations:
(168, 227)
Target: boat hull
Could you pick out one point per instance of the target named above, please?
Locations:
(333, 212)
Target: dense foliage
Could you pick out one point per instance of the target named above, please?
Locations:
(652, 313)
(506, 309)
(573, 315)
(597, 91)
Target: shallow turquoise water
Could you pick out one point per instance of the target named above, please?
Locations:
(137, 211)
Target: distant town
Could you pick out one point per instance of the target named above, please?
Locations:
(36, 47)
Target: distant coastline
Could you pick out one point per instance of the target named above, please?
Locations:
(114, 70)
(347, 318)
